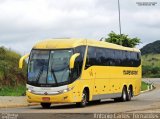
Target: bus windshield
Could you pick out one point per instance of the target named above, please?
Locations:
(49, 67)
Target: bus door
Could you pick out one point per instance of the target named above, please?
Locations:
(89, 71)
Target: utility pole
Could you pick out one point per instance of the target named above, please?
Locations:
(119, 17)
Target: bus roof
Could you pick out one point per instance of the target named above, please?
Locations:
(74, 42)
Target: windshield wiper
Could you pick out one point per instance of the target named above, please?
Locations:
(52, 70)
(64, 68)
(39, 74)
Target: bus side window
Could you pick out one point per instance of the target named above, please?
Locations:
(128, 58)
(132, 57)
(112, 58)
(76, 71)
(109, 54)
(100, 56)
(118, 58)
(91, 57)
(123, 58)
(138, 61)
(103, 57)
(134, 61)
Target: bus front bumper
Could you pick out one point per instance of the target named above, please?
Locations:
(58, 98)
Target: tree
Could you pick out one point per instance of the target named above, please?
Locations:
(122, 39)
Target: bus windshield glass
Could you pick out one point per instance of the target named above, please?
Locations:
(49, 68)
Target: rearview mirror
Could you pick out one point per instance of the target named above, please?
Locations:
(72, 60)
(22, 60)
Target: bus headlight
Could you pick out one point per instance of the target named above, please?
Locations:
(66, 90)
(30, 89)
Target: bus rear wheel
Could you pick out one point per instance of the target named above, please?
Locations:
(123, 97)
(124, 94)
(84, 101)
(46, 105)
(129, 94)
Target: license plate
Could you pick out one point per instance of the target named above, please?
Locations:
(46, 98)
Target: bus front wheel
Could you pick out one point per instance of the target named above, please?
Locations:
(46, 105)
(95, 101)
(84, 101)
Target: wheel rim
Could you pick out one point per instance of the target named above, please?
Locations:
(124, 95)
(129, 94)
(84, 99)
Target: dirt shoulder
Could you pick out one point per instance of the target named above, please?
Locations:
(13, 101)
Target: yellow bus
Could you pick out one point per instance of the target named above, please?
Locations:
(81, 71)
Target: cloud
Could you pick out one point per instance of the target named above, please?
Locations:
(148, 19)
(23, 23)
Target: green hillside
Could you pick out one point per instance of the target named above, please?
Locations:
(151, 60)
(151, 65)
(151, 48)
(10, 75)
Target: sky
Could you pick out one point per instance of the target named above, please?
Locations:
(26, 22)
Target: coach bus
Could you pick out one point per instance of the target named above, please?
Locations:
(81, 71)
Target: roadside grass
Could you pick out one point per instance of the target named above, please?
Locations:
(13, 91)
(21, 89)
(144, 86)
(151, 75)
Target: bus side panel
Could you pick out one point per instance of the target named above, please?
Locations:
(111, 79)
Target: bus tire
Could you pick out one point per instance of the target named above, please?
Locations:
(95, 102)
(124, 94)
(84, 101)
(117, 99)
(129, 94)
(46, 105)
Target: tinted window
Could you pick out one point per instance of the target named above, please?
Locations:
(112, 57)
(100, 56)
(91, 57)
(76, 71)
(118, 57)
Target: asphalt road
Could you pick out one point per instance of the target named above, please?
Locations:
(145, 102)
